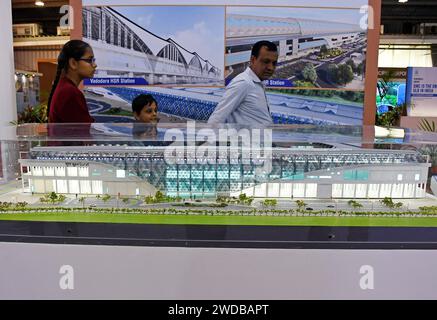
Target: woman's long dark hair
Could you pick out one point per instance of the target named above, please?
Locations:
(72, 49)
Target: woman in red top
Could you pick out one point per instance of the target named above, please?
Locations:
(66, 102)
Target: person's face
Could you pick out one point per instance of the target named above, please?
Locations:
(265, 64)
(148, 114)
(86, 65)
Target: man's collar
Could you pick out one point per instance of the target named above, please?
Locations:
(253, 76)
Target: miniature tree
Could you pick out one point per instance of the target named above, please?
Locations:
(357, 205)
(149, 199)
(323, 50)
(270, 202)
(388, 202)
(354, 204)
(351, 63)
(360, 68)
(332, 72)
(106, 198)
(21, 204)
(82, 200)
(53, 197)
(159, 196)
(242, 198)
(249, 200)
(222, 199)
(344, 74)
(300, 204)
(309, 73)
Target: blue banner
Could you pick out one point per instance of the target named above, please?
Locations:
(115, 82)
(421, 91)
(282, 83)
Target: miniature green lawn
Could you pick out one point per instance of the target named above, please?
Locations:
(225, 220)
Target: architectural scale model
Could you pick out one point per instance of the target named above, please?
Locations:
(318, 173)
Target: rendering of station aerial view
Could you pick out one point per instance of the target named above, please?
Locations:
(312, 53)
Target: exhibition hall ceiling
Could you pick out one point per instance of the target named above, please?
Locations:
(31, 4)
(411, 11)
(392, 10)
(25, 11)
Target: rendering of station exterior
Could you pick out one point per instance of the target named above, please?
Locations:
(318, 173)
(125, 49)
(199, 103)
(294, 37)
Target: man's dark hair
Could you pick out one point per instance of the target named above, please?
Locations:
(141, 101)
(264, 43)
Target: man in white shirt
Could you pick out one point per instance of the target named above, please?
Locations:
(244, 101)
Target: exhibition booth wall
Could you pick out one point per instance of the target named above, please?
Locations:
(195, 59)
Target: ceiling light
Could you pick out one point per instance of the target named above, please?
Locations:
(39, 3)
(403, 1)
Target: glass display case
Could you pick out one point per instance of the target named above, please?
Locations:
(186, 184)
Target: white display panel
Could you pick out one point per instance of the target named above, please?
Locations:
(373, 191)
(348, 190)
(37, 171)
(409, 190)
(97, 187)
(40, 271)
(337, 190)
(38, 186)
(84, 172)
(286, 190)
(49, 184)
(298, 190)
(397, 190)
(260, 190)
(60, 171)
(420, 192)
(311, 190)
(385, 190)
(72, 171)
(73, 186)
(85, 186)
(273, 191)
(361, 190)
(62, 186)
(49, 171)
